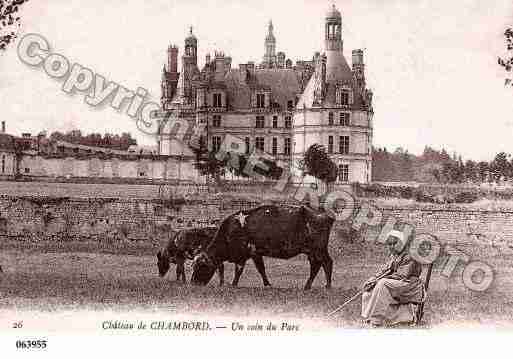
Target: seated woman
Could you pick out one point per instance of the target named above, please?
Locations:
(383, 300)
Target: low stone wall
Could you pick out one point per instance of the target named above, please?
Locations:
(458, 225)
(64, 218)
(72, 218)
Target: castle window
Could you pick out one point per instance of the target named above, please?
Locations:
(286, 147)
(3, 163)
(288, 122)
(330, 144)
(216, 143)
(344, 145)
(344, 98)
(344, 119)
(27, 170)
(218, 100)
(260, 143)
(275, 121)
(260, 122)
(260, 100)
(290, 105)
(343, 173)
(330, 118)
(275, 146)
(246, 140)
(216, 122)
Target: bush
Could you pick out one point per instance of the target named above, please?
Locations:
(466, 197)
(421, 196)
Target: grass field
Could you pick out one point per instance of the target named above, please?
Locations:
(57, 276)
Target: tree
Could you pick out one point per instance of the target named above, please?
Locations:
(95, 139)
(507, 61)
(471, 171)
(500, 166)
(237, 165)
(206, 162)
(317, 164)
(9, 21)
(482, 170)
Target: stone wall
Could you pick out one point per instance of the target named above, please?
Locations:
(459, 225)
(64, 218)
(67, 218)
(162, 168)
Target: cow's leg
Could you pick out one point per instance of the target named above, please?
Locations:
(238, 272)
(327, 265)
(220, 271)
(315, 265)
(180, 269)
(259, 264)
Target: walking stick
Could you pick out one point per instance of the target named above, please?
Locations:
(345, 303)
(357, 294)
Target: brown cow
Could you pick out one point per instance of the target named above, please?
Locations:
(272, 231)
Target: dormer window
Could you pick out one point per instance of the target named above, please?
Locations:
(218, 102)
(344, 98)
(260, 100)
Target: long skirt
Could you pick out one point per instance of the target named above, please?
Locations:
(389, 301)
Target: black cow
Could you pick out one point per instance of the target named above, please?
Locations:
(272, 231)
(183, 245)
(187, 243)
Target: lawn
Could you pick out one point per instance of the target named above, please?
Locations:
(50, 276)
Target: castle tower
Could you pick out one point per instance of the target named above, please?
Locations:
(335, 109)
(191, 49)
(270, 47)
(335, 62)
(170, 75)
(172, 59)
(359, 69)
(189, 70)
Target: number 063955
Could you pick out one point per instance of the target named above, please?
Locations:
(31, 344)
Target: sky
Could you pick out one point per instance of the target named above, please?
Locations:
(432, 65)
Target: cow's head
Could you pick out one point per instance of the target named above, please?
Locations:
(162, 263)
(203, 269)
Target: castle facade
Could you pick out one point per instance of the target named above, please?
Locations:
(275, 106)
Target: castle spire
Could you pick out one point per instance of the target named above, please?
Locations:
(270, 47)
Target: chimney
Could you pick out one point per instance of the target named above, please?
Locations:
(357, 58)
(3, 126)
(228, 63)
(244, 72)
(220, 62)
(172, 59)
